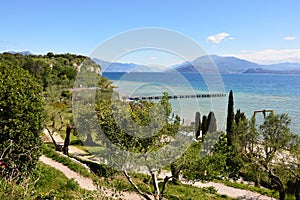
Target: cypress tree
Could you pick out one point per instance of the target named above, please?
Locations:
(211, 122)
(204, 126)
(197, 124)
(230, 119)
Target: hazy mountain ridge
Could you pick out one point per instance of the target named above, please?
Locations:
(206, 64)
(24, 53)
(224, 64)
(123, 67)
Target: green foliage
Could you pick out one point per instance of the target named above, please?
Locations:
(22, 118)
(50, 55)
(210, 190)
(66, 94)
(239, 117)
(58, 107)
(276, 134)
(240, 136)
(183, 164)
(12, 191)
(209, 162)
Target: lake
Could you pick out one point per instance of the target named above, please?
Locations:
(280, 93)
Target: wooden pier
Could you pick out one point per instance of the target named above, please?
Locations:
(178, 96)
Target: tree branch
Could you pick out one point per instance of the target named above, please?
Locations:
(3, 153)
(54, 142)
(294, 173)
(166, 179)
(135, 186)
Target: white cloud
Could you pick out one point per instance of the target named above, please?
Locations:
(289, 38)
(270, 56)
(217, 38)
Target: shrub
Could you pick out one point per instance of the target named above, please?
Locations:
(21, 121)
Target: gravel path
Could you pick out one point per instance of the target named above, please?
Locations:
(83, 182)
(233, 192)
(223, 189)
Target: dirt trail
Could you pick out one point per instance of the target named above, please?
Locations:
(85, 183)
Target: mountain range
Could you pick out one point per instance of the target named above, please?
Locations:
(24, 53)
(206, 64)
(124, 67)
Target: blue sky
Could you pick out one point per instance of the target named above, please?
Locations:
(264, 31)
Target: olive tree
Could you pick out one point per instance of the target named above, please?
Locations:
(262, 148)
(138, 135)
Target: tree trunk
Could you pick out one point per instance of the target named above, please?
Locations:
(281, 195)
(297, 190)
(67, 140)
(89, 140)
(276, 180)
(155, 184)
(257, 181)
(175, 174)
(166, 179)
(61, 122)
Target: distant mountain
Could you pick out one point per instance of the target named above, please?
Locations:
(206, 64)
(24, 53)
(124, 67)
(224, 64)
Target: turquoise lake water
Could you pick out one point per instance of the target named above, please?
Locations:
(251, 92)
